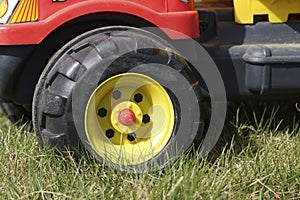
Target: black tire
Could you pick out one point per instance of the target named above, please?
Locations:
(16, 114)
(74, 72)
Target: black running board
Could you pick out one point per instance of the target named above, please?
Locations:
(272, 68)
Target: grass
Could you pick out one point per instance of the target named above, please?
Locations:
(258, 158)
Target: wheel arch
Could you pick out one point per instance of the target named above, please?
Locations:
(33, 67)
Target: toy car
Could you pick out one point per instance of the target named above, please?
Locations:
(93, 76)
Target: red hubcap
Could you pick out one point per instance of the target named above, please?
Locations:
(127, 117)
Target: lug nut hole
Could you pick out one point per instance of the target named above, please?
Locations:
(138, 98)
(110, 133)
(146, 118)
(116, 94)
(131, 137)
(102, 112)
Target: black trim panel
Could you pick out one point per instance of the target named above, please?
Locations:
(12, 59)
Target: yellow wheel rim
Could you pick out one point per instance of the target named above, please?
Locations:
(129, 119)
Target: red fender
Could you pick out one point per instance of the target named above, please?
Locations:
(170, 17)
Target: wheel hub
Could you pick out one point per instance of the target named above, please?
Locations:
(126, 117)
(129, 117)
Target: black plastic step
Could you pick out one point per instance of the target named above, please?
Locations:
(272, 68)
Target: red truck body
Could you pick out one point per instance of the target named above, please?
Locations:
(175, 16)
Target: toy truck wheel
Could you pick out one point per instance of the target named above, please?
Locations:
(118, 91)
(16, 114)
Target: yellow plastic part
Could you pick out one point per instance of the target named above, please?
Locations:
(277, 10)
(3, 7)
(26, 11)
(154, 119)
